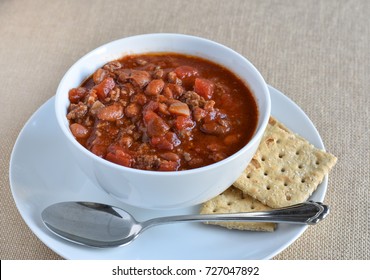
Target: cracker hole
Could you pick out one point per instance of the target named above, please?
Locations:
(282, 170)
(297, 153)
(303, 180)
(317, 162)
(252, 207)
(288, 197)
(266, 174)
(278, 141)
(268, 188)
(281, 155)
(248, 176)
(263, 158)
(300, 166)
(229, 203)
(285, 184)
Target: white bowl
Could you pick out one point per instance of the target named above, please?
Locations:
(156, 189)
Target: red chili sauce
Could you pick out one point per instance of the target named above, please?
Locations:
(162, 111)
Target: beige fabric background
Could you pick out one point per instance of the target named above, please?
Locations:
(316, 52)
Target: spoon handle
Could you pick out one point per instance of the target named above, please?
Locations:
(309, 213)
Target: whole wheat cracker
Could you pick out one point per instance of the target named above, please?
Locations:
(286, 168)
(232, 201)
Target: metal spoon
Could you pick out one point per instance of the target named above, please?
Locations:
(99, 225)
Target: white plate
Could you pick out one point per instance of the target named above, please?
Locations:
(42, 172)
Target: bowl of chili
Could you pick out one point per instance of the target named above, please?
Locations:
(162, 121)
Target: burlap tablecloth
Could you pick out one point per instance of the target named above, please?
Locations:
(315, 52)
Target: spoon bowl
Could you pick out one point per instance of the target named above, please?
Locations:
(100, 225)
(92, 224)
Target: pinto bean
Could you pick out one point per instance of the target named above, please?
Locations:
(123, 75)
(171, 77)
(139, 98)
(111, 113)
(100, 75)
(163, 108)
(79, 131)
(112, 65)
(76, 94)
(214, 128)
(170, 156)
(99, 150)
(140, 78)
(156, 126)
(158, 74)
(120, 157)
(103, 88)
(155, 87)
(133, 110)
(185, 71)
(167, 165)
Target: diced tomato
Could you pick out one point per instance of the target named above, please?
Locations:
(204, 88)
(120, 157)
(103, 89)
(183, 122)
(185, 71)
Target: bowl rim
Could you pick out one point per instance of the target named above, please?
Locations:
(256, 136)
